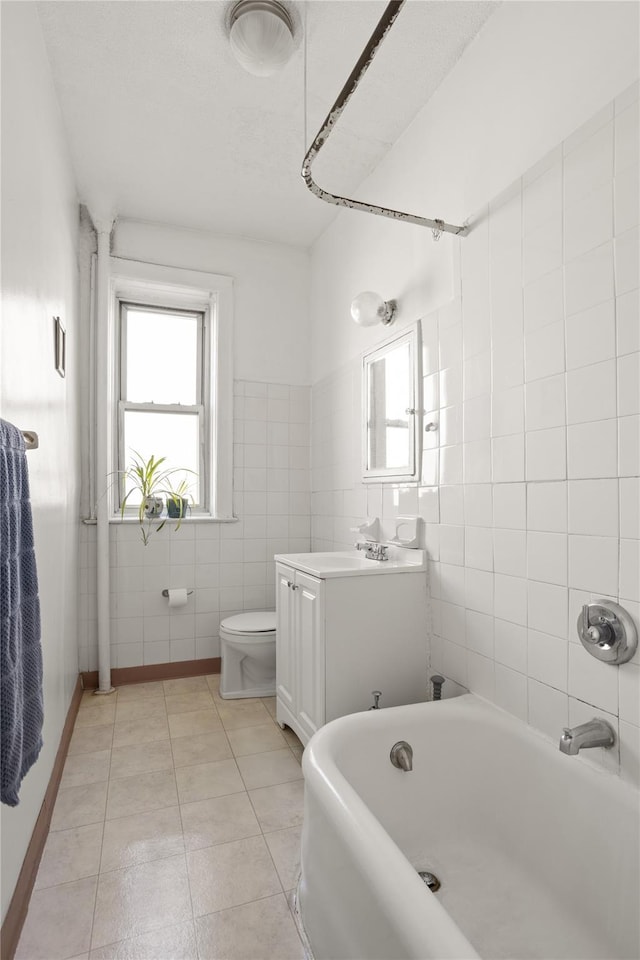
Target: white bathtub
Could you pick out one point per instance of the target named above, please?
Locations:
(537, 852)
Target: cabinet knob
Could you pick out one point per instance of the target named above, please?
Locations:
(289, 583)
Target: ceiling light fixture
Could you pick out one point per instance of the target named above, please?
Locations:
(369, 308)
(261, 36)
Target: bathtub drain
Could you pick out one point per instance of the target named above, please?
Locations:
(429, 879)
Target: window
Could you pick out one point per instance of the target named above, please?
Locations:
(172, 379)
(163, 381)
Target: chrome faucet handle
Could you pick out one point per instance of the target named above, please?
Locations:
(607, 631)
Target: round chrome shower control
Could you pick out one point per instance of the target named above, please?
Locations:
(607, 632)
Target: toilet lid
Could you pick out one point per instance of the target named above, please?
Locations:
(263, 621)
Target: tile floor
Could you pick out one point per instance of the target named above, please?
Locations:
(176, 832)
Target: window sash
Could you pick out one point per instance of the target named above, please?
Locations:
(198, 315)
(200, 409)
(151, 408)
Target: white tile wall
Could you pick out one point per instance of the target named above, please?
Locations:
(538, 510)
(229, 566)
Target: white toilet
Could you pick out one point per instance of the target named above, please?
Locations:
(248, 648)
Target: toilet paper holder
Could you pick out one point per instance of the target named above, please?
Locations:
(165, 592)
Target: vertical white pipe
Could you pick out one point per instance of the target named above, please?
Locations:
(102, 379)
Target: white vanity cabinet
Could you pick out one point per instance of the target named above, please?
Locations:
(341, 636)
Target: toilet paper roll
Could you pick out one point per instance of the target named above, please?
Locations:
(178, 597)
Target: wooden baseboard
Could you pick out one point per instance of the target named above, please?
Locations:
(154, 671)
(17, 912)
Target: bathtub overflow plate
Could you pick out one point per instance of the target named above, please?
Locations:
(430, 880)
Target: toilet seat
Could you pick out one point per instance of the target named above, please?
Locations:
(262, 623)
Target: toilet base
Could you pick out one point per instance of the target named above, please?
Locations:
(255, 692)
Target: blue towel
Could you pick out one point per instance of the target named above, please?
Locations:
(21, 707)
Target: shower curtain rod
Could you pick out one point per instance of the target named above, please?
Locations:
(366, 57)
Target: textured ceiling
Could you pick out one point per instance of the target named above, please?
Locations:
(164, 125)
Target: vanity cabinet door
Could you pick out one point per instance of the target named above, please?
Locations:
(285, 637)
(309, 630)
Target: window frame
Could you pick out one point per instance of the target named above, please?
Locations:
(202, 374)
(176, 289)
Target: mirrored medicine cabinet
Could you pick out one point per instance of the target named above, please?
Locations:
(392, 409)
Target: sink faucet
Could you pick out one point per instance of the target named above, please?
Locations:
(595, 733)
(374, 551)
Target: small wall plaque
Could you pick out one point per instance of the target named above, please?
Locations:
(61, 346)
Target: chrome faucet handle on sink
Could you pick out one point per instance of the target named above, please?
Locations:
(373, 551)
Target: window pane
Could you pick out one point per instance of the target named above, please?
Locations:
(171, 435)
(162, 357)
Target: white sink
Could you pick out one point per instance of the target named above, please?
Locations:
(352, 564)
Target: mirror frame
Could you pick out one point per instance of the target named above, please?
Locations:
(411, 335)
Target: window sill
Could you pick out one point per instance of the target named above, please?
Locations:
(198, 518)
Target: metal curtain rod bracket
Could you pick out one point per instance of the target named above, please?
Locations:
(31, 440)
(366, 58)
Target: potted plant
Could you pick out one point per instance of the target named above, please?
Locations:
(177, 501)
(152, 481)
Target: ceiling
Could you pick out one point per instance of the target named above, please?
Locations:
(164, 125)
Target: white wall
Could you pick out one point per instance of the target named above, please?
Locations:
(535, 73)
(229, 567)
(39, 281)
(530, 487)
(271, 292)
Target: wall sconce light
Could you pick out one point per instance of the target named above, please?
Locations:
(261, 36)
(369, 308)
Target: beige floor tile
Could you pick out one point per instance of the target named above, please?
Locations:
(204, 780)
(98, 713)
(188, 702)
(259, 739)
(90, 740)
(263, 929)
(86, 768)
(169, 943)
(127, 710)
(213, 682)
(58, 923)
(140, 838)
(230, 874)
(194, 723)
(267, 769)
(270, 704)
(284, 847)
(279, 807)
(186, 685)
(242, 713)
(141, 794)
(70, 855)
(297, 752)
(204, 748)
(145, 730)
(218, 820)
(139, 899)
(136, 691)
(77, 806)
(141, 758)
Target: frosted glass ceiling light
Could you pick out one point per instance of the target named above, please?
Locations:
(261, 36)
(369, 308)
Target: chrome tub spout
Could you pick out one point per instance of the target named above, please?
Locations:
(595, 733)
